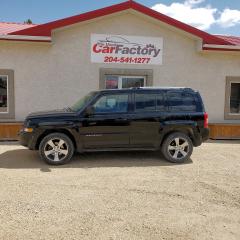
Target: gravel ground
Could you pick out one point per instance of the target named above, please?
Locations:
(127, 195)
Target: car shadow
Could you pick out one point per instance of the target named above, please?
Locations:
(26, 159)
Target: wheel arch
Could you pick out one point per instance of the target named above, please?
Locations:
(186, 130)
(58, 130)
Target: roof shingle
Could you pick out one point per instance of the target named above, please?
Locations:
(231, 39)
(7, 27)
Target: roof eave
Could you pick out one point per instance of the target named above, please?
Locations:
(25, 38)
(45, 30)
(217, 47)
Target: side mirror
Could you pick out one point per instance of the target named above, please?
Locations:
(89, 111)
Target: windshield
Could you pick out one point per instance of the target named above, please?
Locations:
(82, 102)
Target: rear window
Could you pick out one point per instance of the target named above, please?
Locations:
(149, 102)
(181, 101)
(160, 102)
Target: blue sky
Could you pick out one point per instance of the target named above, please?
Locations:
(214, 16)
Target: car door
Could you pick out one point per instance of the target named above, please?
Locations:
(146, 119)
(108, 126)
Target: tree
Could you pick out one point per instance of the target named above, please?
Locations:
(28, 21)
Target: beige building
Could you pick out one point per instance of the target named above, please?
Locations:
(54, 64)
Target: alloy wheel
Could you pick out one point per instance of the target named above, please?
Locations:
(178, 148)
(56, 149)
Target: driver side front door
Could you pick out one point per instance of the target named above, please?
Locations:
(108, 126)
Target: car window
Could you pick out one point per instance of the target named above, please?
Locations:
(160, 102)
(181, 101)
(145, 102)
(149, 102)
(112, 103)
(83, 101)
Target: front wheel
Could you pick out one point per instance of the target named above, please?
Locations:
(56, 149)
(177, 147)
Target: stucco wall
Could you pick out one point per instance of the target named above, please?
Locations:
(56, 75)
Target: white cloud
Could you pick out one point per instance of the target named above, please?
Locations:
(193, 2)
(229, 18)
(190, 13)
(203, 17)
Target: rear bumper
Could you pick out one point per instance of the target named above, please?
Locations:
(205, 132)
(200, 137)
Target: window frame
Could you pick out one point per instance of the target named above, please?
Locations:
(227, 110)
(10, 114)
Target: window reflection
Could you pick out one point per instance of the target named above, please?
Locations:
(3, 94)
(111, 82)
(235, 98)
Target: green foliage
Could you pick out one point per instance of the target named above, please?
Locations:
(28, 21)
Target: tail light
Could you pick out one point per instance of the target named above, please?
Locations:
(205, 120)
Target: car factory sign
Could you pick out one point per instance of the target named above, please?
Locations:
(126, 49)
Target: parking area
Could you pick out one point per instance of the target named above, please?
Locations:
(126, 195)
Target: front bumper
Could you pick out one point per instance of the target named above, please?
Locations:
(27, 139)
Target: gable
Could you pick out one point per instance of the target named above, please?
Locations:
(43, 32)
(46, 29)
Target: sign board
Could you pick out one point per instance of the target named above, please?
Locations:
(121, 49)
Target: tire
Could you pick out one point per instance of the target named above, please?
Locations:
(177, 147)
(56, 149)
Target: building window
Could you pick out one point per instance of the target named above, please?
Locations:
(232, 101)
(115, 78)
(119, 82)
(3, 94)
(6, 94)
(235, 98)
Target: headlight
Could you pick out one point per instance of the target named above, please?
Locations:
(28, 126)
(28, 129)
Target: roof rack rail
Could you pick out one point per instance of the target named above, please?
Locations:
(165, 87)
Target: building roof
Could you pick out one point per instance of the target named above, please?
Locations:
(232, 39)
(9, 27)
(45, 30)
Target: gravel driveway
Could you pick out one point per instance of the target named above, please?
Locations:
(127, 195)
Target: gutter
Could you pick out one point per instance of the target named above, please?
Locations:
(25, 38)
(221, 47)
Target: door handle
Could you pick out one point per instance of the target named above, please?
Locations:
(92, 123)
(122, 119)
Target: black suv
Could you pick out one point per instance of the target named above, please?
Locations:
(170, 119)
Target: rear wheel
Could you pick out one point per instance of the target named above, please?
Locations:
(177, 147)
(56, 149)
